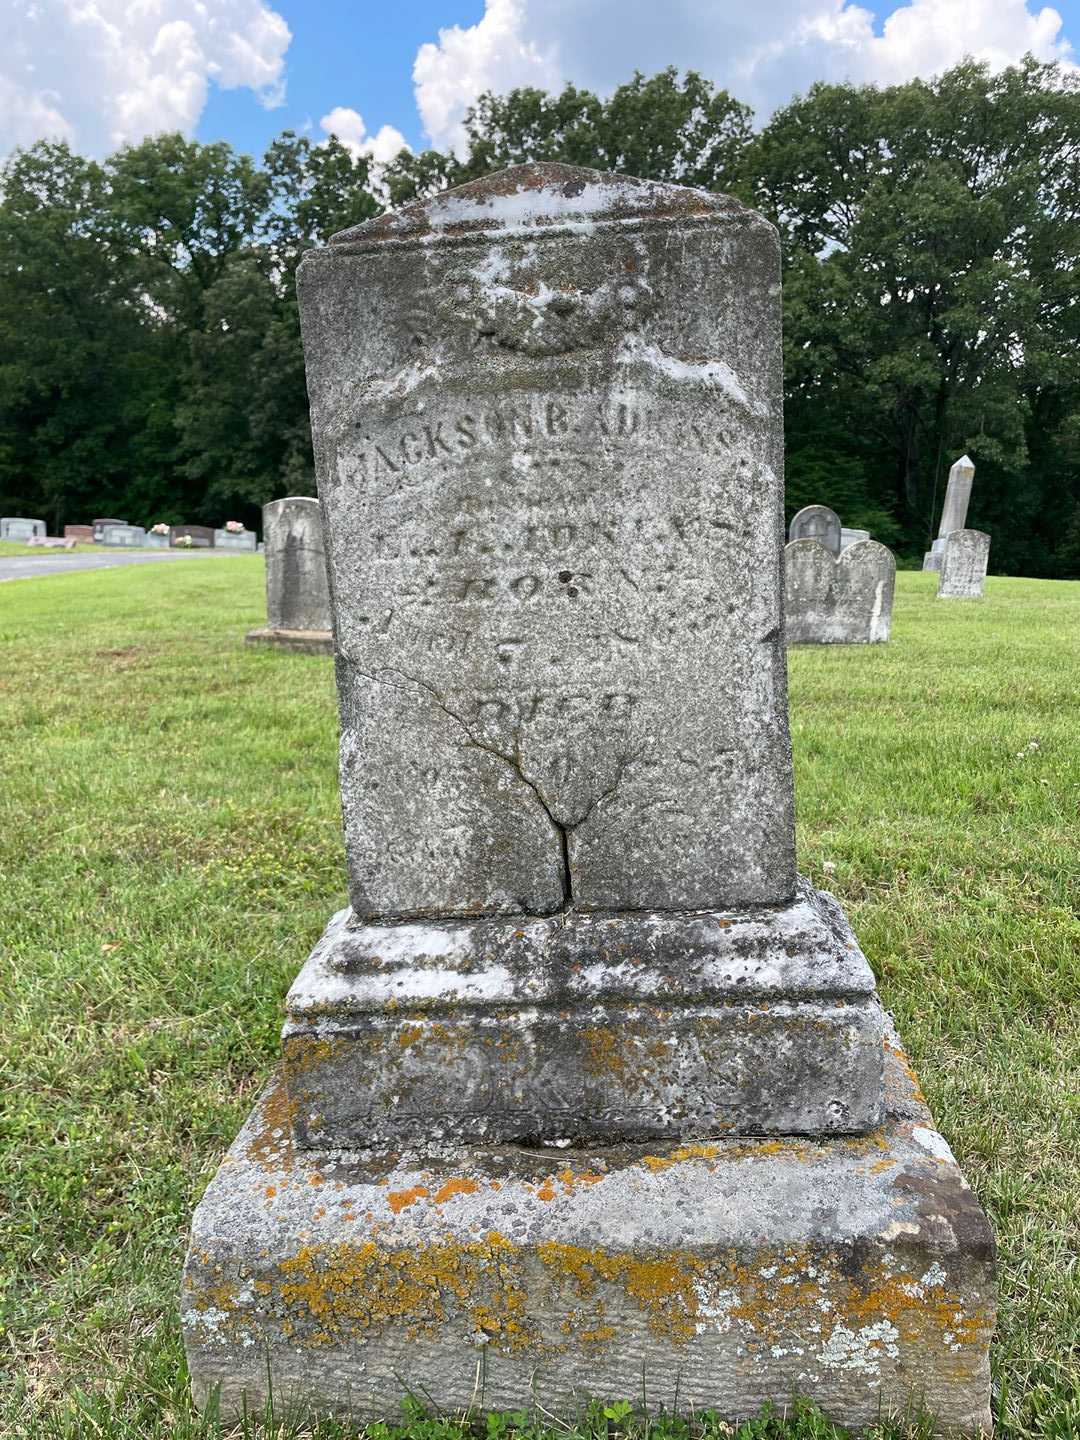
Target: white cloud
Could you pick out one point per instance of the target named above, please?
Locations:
(348, 126)
(763, 52)
(497, 53)
(100, 73)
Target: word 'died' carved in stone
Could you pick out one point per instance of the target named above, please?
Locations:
(297, 597)
(963, 565)
(842, 600)
(817, 522)
(547, 426)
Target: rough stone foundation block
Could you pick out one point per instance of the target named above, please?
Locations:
(310, 642)
(585, 1028)
(856, 1271)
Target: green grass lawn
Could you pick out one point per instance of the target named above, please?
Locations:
(170, 850)
(16, 547)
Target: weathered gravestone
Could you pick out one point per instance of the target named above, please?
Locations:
(954, 511)
(159, 538)
(15, 527)
(201, 536)
(129, 535)
(851, 537)
(963, 565)
(524, 1072)
(235, 539)
(817, 522)
(838, 600)
(98, 527)
(79, 533)
(297, 593)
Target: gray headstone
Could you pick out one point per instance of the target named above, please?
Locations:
(546, 414)
(131, 535)
(846, 600)
(548, 438)
(849, 537)
(234, 539)
(963, 567)
(957, 496)
(201, 536)
(297, 595)
(817, 522)
(157, 542)
(98, 526)
(15, 527)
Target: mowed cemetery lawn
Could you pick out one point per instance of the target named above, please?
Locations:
(170, 850)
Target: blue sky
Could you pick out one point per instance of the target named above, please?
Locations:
(104, 74)
(355, 54)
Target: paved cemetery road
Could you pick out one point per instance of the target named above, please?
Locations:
(25, 567)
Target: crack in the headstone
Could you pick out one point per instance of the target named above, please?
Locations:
(562, 830)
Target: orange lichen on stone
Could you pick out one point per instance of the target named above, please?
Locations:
(677, 1156)
(662, 1286)
(570, 1180)
(217, 1297)
(604, 1051)
(399, 1200)
(304, 1052)
(271, 1146)
(463, 1186)
(347, 1290)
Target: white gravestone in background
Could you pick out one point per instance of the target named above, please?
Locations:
(14, 527)
(963, 566)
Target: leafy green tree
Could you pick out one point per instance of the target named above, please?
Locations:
(932, 236)
(83, 392)
(660, 128)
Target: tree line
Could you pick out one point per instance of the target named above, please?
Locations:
(150, 359)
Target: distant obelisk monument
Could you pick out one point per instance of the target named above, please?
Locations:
(954, 512)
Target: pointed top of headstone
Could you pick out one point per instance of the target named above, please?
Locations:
(964, 463)
(535, 196)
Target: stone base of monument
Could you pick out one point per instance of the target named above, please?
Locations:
(308, 642)
(585, 1027)
(856, 1271)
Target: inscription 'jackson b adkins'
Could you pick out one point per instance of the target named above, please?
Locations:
(553, 516)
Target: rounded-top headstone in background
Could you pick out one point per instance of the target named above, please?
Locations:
(817, 522)
(838, 600)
